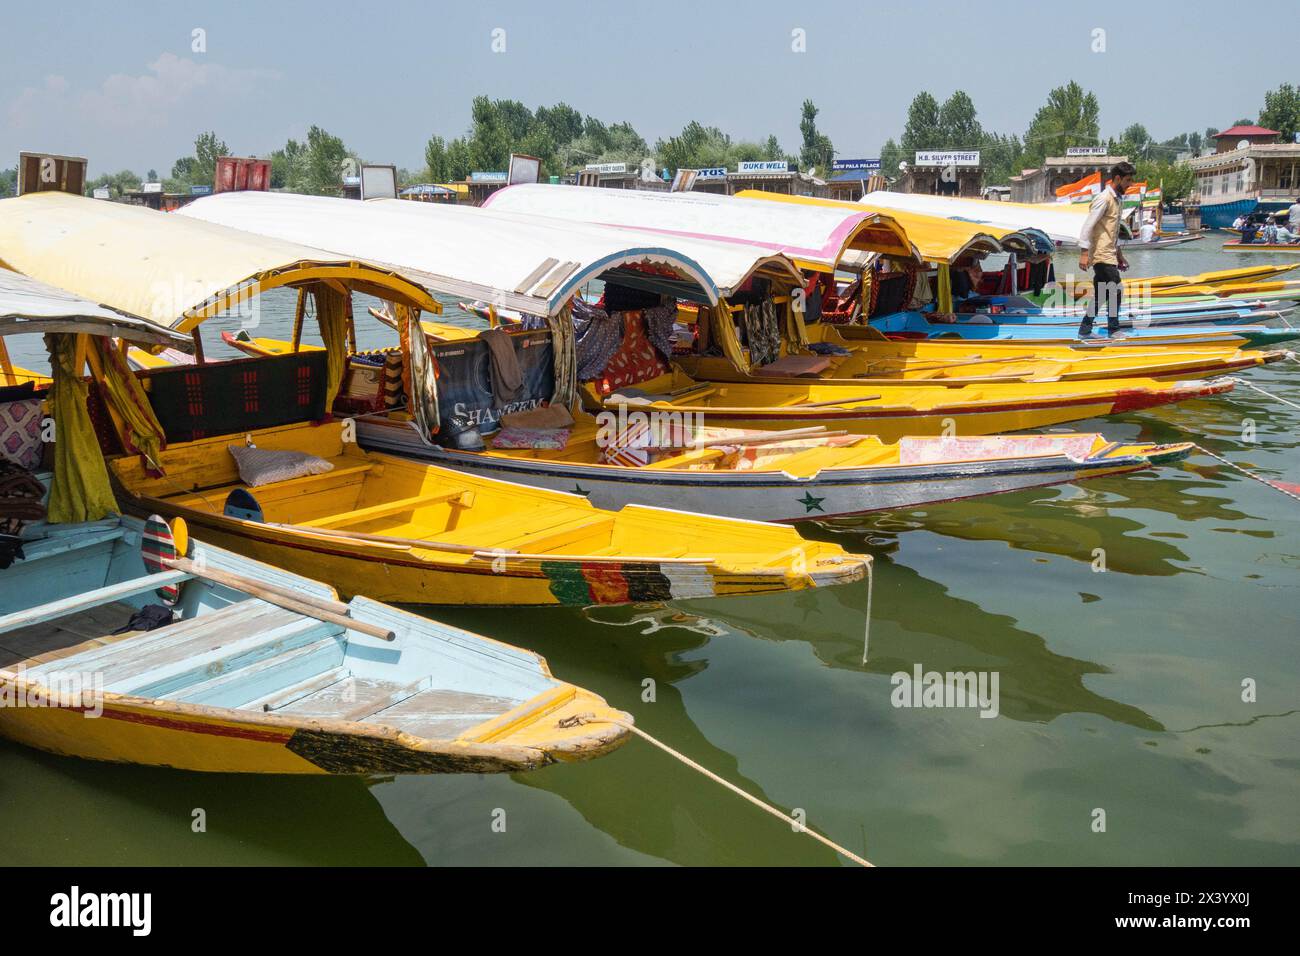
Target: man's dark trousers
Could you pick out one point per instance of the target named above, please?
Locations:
(1106, 287)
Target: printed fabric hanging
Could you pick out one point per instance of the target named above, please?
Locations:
(420, 375)
(762, 333)
(597, 336)
(659, 321)
(563, 358)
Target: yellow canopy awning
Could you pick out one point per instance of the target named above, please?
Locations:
(172, 270)
(937, 240)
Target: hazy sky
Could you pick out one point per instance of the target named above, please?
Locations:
(120, 84)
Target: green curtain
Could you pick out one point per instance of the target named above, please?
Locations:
(80, 490)
(140, 431)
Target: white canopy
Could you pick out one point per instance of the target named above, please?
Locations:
(1061, 224)
(28, 306)
(814, 236)
(514, 261)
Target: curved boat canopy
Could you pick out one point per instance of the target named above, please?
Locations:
(29, 306)
(814, 237)
(1059, 221)
(937, 240)
(512, 260)
(174, 271)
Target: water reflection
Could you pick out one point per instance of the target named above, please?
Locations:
(916, 620)
(116, 814)
(642, 798)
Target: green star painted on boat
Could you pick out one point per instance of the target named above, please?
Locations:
(579, 490)
(811, 504)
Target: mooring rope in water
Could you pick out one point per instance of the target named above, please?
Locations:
(871, 587)
(1276, 398)
(1248, 473)
(767, 807)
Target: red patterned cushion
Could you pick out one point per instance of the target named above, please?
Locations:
(636, 360)
(20, 432)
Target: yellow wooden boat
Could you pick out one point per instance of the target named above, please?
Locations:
(405, 531)
(881, 361)
(892, 412)
(392, 529)
(1220, 277)
(1239, 246)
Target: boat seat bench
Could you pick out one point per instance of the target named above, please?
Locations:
(242, 652)
(108, 594)
(66, 636)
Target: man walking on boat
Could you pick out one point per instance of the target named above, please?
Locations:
(1099, 242)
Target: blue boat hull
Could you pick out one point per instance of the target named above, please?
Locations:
(917, 325)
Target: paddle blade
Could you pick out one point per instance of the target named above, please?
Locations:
(181, 537)
(157, 545)
(242, 505)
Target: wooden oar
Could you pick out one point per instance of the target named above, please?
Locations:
(382, 540)
(833, 401)
(485, 554)
(760, 438)
(273, 595)
(333, 612)
(746, 438)
(977, 360)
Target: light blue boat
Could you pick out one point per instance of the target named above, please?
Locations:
(919, 325)
(282, 682)
(122, 641)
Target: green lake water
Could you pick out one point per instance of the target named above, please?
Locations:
(1119, 690)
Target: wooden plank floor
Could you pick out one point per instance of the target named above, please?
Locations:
(52, 640)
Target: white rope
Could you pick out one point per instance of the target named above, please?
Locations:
(871, 587)
(1278, 398)
(767, 807)
(1247, 473)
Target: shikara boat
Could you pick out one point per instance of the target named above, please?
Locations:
(124, 641)
(1238, 246)
(920, 325)
(948, 363)
(401, 530)
(893, 412)
(791, 478)
(238, 683)
(393, 529)
(1128, 319)
(782, 477)
(806, 228)
(1160, 242)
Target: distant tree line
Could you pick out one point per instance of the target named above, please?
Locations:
(566, 140)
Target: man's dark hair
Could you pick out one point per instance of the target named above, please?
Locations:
(1122, 169)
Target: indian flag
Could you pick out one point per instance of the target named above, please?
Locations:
(1134, 195)
(1084, 190)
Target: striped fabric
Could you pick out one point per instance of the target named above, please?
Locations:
(157, 545)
